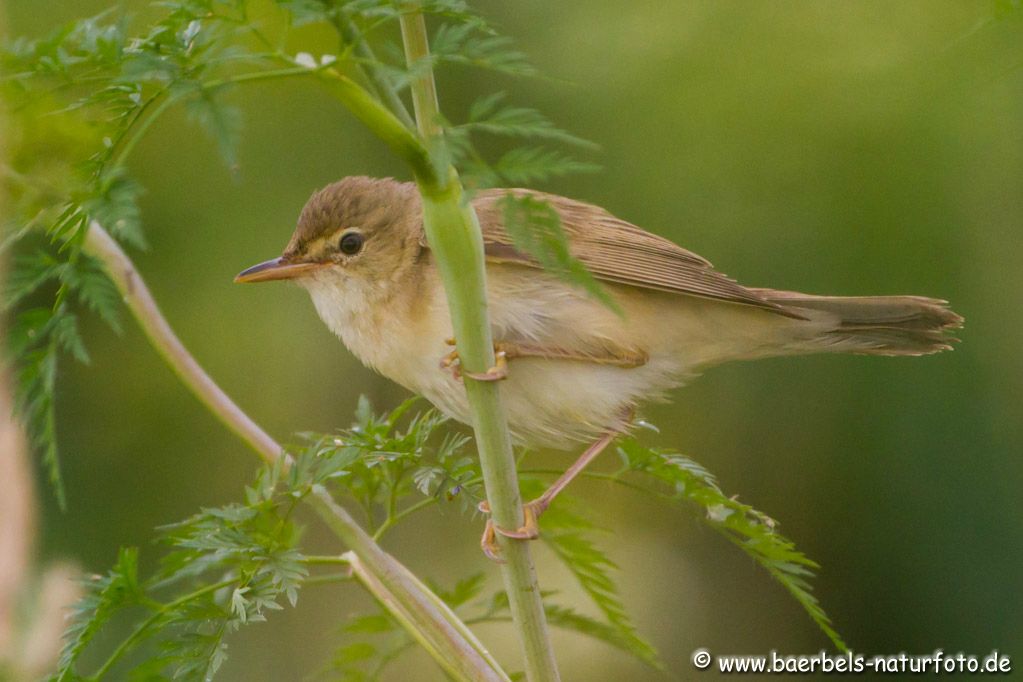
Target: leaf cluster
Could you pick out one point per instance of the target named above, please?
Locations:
(381, 461)
(378, 463)
(231, 566)
(228, 567)
(83, 93)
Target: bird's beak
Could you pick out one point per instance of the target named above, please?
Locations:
(275, 269)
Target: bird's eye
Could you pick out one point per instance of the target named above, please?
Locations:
(351, 243)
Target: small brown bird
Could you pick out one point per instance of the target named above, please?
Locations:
(578, 368)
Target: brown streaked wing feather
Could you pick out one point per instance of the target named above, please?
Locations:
(617, 251)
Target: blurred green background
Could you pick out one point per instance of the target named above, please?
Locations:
(827, 146)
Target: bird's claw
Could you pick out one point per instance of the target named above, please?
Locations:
(453, 362)
(498, 372)
(529, 530)
(488, 543)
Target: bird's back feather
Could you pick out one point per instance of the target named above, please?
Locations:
(616, 251)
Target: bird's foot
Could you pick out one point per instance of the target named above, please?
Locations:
(531, 511)
(453, 363)
(529, 530)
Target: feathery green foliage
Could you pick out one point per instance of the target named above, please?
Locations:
(102, 86)
(104, 597)
(535, 228)
(378, 463)
(253, 544)
(752, 531)
(566, 533)
(231, 566)
(95, 82)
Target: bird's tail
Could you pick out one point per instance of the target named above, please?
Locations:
(871, 325)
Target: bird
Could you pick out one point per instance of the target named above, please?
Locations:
(572, 369)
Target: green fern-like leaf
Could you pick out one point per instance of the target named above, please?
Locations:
(752, 531)
(30, 272)
(253, 544)
(527, 165)
(64, 328)
(221, 121)
(104, 596)
(383, 457)
(36, 376)
(470, 44)
(565, 533)
(535, 228)
(113, 203)
(97, 293)
(490, 115)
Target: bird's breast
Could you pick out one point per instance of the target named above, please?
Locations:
(548, 402)
(372, 326)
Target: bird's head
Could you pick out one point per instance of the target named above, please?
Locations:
(358, 230)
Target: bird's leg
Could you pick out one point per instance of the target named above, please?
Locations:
(505, 351)
(531, 511)
(615, 356)
(453, 362)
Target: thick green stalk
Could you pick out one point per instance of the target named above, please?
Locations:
(424, 89)
(433, 624)
(433, 621)
(454, 235)
(382, 123)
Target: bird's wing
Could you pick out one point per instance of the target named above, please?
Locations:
(617, 251)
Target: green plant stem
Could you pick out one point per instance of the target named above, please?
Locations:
(328, 579)
(454, 235)
(425, 616)
(394, 519)
(314, 560)
(432, 622)
(382, 123)
(424, 88)
(351, 35)
(143, 307)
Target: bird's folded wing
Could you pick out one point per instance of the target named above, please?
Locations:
(617, 251)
